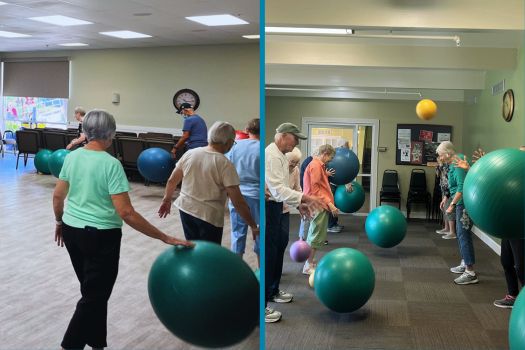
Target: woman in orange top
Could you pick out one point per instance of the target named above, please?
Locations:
(316, 184)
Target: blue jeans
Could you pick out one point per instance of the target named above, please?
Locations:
(240, 227)
(463, 226)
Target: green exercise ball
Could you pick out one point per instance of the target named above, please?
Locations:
(56, 160)
(386, 226)
(349, 202)
(493, 193)
(206, 295)
(344, 280)
(42, 161)
(257, 274)
(517, 324)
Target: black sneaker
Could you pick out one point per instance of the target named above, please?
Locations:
(505, 303)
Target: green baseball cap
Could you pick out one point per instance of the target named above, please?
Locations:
(290, 128)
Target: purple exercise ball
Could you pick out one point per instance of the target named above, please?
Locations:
(300, 251)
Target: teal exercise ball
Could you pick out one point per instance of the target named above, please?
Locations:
(386, 226)
(346, 166)
(344, 280)
(349, 202)
(56, 160)
(42, 161)
(493, 193)
(155, 164)
(206, 295)
(517, 324)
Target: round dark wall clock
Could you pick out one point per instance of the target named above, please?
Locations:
(186, 96)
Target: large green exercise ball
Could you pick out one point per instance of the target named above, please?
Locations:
(517, 324)
(493, 193)
(349, 202)
(345, 164)
(206, 295)
(344, 280)
(56, 160)
(386, 226)
(42, 161)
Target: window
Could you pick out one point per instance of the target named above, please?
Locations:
(34, 110)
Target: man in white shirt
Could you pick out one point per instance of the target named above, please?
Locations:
(277, 224)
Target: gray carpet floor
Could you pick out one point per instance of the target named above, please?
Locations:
(415, 304)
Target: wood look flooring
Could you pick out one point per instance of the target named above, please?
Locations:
(38, 287)
(415, 304)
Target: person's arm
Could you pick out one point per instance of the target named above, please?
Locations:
(126, 211)
(59, 196)
(316, 178)
(235, 195)
(76, 141)
(171, 186)
(181, 142)
(275, 180)
(460, 177)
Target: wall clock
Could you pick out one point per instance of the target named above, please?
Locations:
(186, 96)
(507, 109)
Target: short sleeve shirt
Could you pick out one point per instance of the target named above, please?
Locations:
(196, 126)
(203, 192)
(93, 176)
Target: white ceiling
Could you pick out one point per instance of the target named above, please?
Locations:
(166, 23)
(392, 54)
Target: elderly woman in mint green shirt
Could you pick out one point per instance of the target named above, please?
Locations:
(456, 177)
(90, 226)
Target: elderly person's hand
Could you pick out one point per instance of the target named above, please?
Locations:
(442, 204)
(461, 163)
(349, 188)
(58, 236)
(165, 208)
(333, 210)
(174, 241)
(330, 172)
(477, 155)
(451, 208)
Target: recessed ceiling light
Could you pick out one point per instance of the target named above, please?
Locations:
(73, 44)
(251, 36)
(217, 20)
(294, 30)
(12, 35)
(126, 34)
(60, 20)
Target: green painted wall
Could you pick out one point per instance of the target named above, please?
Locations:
(389, 114)
(483, 125)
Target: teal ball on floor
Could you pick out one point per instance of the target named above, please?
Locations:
(493, 193)
(56, 161)
(42, 161)
(517, 324)
(349, 202)
(344, 280)
(386, 226)
(206, 295)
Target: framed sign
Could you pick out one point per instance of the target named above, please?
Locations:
(417, 143)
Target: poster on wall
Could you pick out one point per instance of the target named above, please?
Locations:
(417, 143)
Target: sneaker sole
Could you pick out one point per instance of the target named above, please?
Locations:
(469, 282)
(458, 273)
(281, 301)
(449, 237)
(503, 306)
(272, 320)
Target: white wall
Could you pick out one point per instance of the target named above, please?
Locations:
(226, 77)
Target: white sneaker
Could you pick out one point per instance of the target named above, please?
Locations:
(467, 278)
(282, 297)
(458, 269)
(271, 316)
(449, 236)
(442, 231)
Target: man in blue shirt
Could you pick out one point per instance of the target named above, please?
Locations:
(194, 130)
(245, 157)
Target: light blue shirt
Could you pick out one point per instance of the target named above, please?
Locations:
(245, 157)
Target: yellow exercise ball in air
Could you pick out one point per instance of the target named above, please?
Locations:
(426, 109)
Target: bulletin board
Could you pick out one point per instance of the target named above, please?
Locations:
(416, 143)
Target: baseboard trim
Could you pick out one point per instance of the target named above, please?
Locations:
(488, 240)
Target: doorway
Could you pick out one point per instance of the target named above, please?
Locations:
(361, 136)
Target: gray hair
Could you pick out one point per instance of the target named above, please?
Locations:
(80, 110)
(325, 149)
(99, 125)
(295, 154)
(446, 147)
(220, 133)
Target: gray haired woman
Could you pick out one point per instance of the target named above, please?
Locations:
(90, 226)
(209, 177)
